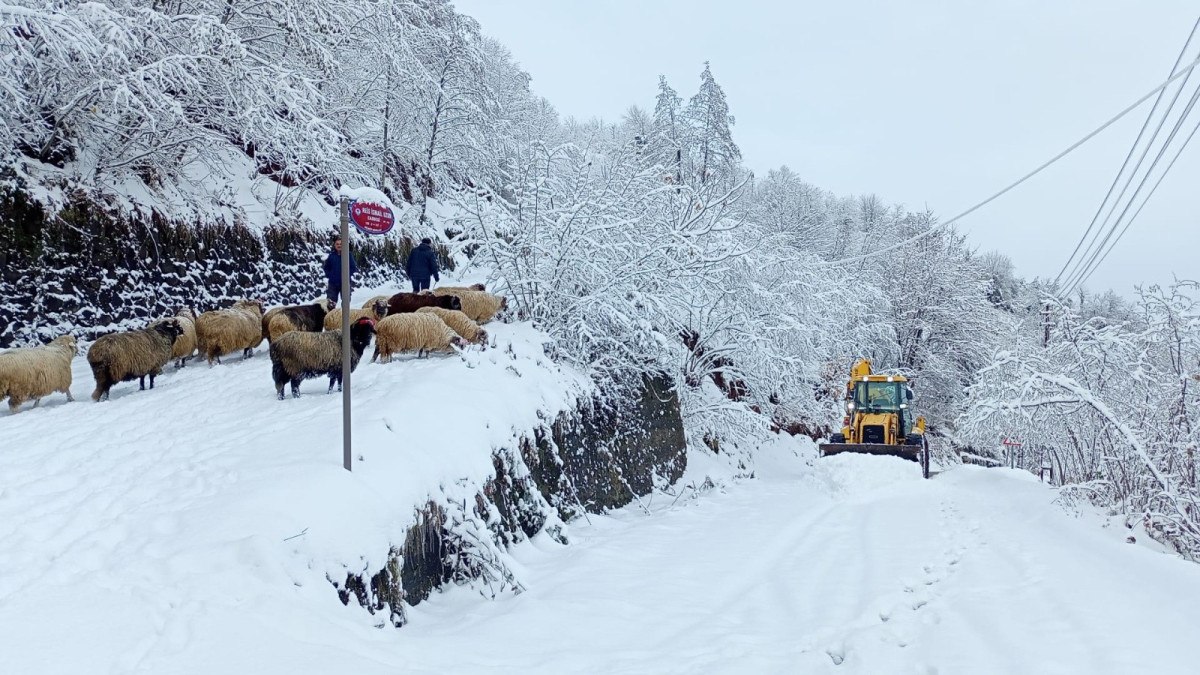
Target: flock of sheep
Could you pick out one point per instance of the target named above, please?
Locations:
(305, 341)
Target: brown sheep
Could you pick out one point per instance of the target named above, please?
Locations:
(402, 303)
(333, 320)
(410, 332)
(459, 323)
(129, 355)
(225, 331)
(479, 305)
(37, 372)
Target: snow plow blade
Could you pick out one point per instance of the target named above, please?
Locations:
(910, 452)
(915, 453)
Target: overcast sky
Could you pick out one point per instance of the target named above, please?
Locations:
(921, 102)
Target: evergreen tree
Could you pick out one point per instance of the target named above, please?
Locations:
(668, 140)
(715, 155)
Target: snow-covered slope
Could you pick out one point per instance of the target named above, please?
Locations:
(205, 513)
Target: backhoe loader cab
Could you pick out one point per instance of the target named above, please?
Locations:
(879, 419)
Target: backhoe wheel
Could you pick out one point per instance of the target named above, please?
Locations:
(924, 458)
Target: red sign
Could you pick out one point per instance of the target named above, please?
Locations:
(371, 218)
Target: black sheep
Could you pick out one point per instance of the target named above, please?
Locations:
(411, 302)
(300, 355)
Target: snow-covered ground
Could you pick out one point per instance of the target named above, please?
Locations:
(156, 533)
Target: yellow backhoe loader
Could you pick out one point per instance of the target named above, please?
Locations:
(878, 419)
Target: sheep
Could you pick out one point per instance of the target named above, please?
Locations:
(372, 301)
(36, 372)
(300, 355)
(333, 320)
(307, 318)
(419, 332)
(480, 306)
(224, 331)
(185, 346)
(459, 323)
(401, 303)
(121, 357)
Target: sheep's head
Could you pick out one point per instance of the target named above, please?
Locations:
(187, 312)
(379, 308)
(481, 337)
(67, 341)
(247, 303)
(458, 342)
(170, 328)
(324, 304)
(503, 302)
(478, 287)
(454, 302)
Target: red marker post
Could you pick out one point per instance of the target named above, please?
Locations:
(371, 217)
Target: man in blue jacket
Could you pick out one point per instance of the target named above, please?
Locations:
(422, 264)
(333, 272)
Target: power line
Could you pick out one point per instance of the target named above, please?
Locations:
(1132, 148)
(841, 261)
(1099, 258)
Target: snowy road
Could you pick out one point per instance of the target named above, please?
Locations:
(861, 568)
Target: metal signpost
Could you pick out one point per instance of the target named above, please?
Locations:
(370, 218)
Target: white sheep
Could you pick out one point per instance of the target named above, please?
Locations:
(377, 298)
(225, 331)
(375, 312)
(185, 346)
(480, 306)
(460, 323)
(36, 372)
(413, 332)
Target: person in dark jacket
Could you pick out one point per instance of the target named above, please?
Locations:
(333, 272)
(422, 264)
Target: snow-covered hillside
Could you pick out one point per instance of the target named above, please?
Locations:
(134, 531)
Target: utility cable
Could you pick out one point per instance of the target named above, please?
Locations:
(1091, 255)
(888, 249)
(1096, 262)
(1132, 148)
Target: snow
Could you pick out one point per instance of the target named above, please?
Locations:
(366, 194)
(191, 529)
(130, 528)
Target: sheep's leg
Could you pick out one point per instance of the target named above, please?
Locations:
(14, 403)
(37, 402)
(247, 353)
(152, 374)
(142, 383)
(296, 388)
(70, 398)
(279, 390)
(375, 355)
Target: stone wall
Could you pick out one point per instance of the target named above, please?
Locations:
(89, 269)
(587, 461)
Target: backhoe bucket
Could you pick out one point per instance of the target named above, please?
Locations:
(915, 453)
(910, 452)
